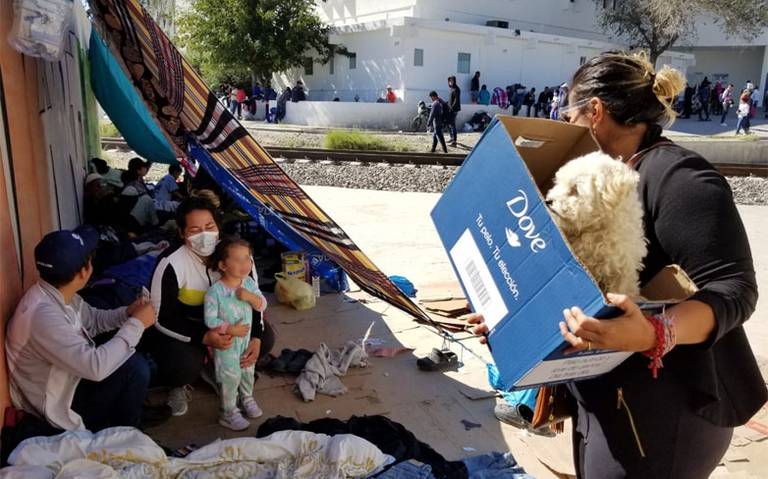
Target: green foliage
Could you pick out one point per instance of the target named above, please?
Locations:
(108, 130)
(353, 140)
(656, 25)
(241, 40)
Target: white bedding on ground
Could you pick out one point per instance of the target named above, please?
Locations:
(124, 452)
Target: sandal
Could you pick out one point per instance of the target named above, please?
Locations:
(438, 360)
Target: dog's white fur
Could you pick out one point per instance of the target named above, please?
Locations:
(597, 206)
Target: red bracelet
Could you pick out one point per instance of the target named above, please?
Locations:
(666, 338)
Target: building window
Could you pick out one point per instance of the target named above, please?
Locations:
(332, 65)
(352, 61)
(464, 63)
(582, 60)
(309, 66)
(418, 57)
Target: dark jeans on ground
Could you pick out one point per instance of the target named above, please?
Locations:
(117, 400)
(452, 127)
(676, 442)
(437, 135)
(743, 123)
(180, 363)
(704, 110)
(726, 110)
(528, 110)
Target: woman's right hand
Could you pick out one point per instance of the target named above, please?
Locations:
(217, 340)
(481, 329)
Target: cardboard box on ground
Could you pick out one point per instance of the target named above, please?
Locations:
(513, 262)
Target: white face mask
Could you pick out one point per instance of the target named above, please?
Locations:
(203, 243)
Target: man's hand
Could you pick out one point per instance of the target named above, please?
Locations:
(217, 340)
(251, 354)
(135, 305)
(145, 313)
(241, 329)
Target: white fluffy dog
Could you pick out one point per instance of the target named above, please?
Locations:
(597, 206)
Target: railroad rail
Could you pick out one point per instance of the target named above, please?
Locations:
(415, 158)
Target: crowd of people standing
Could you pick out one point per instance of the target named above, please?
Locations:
(718, 99)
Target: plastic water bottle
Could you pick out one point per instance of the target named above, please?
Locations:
(316, 286)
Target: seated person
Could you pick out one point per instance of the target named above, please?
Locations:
(98, 202)
(112, 176)
(167, 191)
(56, 370)
(179, 285)
(136, 207)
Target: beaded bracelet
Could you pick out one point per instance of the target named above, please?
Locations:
(666, 338)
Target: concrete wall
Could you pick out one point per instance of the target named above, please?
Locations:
(373, 116)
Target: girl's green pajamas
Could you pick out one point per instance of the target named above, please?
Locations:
(223, 307)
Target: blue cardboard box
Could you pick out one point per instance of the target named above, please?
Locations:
(515, 266)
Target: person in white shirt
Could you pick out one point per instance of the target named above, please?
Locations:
(56, 370)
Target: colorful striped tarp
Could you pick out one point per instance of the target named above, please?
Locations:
(189, 114)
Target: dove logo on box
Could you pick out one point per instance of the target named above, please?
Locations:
(518, 206)
(512, 238)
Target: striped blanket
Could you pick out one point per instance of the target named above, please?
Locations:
(192, 118)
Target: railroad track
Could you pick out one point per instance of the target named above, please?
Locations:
(415, 158)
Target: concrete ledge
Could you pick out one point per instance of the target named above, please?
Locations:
(729, 151)
(374, 116)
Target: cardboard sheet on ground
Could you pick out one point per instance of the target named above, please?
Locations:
(191, 118)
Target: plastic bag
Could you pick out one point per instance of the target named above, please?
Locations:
(39, 27)
(294, 292)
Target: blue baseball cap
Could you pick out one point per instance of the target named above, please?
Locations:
(62, 253)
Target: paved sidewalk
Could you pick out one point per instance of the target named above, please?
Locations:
(694, 128)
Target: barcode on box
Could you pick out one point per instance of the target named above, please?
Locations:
(477, 283)
(477, 280)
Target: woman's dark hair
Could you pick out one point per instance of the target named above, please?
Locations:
(433, 94)
(101, 166)
(629, 87)
(191, 204)
(174, 168)
(222, 251)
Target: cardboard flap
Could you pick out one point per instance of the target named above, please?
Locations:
(546, 145)
(671, 284)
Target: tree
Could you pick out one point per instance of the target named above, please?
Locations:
(656, 25)
(240, 40)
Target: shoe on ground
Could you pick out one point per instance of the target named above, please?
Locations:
(250, 407)
(234, 420)
(452, 145)
(178, 400)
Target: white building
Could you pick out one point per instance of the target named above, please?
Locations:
(414, 45)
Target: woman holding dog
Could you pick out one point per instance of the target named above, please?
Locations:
(670, 410)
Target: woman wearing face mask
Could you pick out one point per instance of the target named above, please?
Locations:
(179, 285)
(679, 423)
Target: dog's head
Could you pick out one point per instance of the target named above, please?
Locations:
(589, 189)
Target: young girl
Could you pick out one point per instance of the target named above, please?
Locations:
(229, 306)
(743, 114)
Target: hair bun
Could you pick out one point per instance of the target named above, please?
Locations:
(668, 83)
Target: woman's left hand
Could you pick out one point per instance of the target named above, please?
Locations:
(628, 332)
(251, 354)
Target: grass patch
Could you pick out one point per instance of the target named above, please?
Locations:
(353, 140)
(108, 130)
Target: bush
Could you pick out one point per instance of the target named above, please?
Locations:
(353, 140)
(108, 130)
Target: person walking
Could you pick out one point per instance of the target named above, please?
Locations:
(484, 97)
(743, 113)
(435, 121)
(717, 102)
(726, 100)
(642, 420)
(474, 88)
(530, 100)
(704, 90)
(687, 101)
(234, 106)
(454, 107)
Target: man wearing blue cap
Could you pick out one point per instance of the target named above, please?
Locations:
(57, 372)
